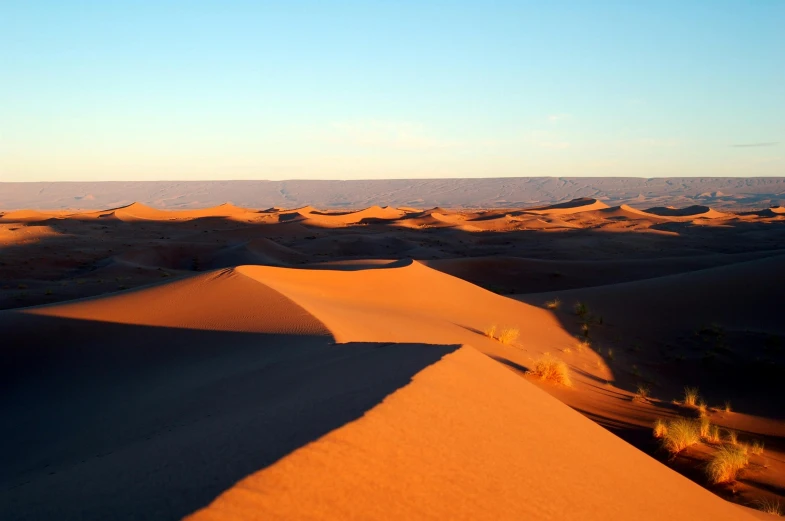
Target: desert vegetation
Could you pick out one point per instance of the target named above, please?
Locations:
(553, 304)
(680, 434)
(691, 396)
(548, 367)
(726, 463)
(505, 335)
(642, 393)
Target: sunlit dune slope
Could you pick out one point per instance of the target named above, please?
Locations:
(189, 387)
(468, 439)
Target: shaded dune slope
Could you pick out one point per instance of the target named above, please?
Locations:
(695, 211)
(523, 275)
(183, 389)
(698, 297)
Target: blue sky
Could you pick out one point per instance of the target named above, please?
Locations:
(110, 90)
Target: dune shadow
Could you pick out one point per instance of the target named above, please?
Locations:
(118, 421)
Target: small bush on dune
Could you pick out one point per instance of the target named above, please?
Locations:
(690, 396)
(490, 331)
(681, 434)
(728, 407)
(581, 309)
(705, 428)
(550, 368)
(582, 345)
(725, 464)
(703, 409)
(756, 448)
(770, 506)
(642, 394)
(505, 335)
(660, 428)
(714, 436)
(733, 437)
(553, 304)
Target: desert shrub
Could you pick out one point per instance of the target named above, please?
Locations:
(728, 407)
(756, 448)
(690, 396)
(581, 309)
(733, 437)
(703, 409)
(550, 368)
(553, 304)
(505, 335)
(681, 433)
(660, 428)
(582, 345)
(770, 506)
(714, 435)
(705, 427)
(642, 393)
(490, 331)
(725, 464)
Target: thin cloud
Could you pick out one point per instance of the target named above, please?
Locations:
(748, 145)
(555, 118)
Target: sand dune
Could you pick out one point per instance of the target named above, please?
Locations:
(574, 206)
(25, 216)
(695, 211)
(523, 275)
(486, 451)
(467, 439)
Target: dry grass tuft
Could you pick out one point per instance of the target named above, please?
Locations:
(714, 437)
(553, 304)
(691, 396)
(705, 428)
(681, 434)
(703, 409)
(505, 335)
(728, 407)
(733, 437)
(490, 331)
(642, 394)
(550, 368)
(583, 345)
(581, 309)
(756, 448)
(770, 506)
(726, 463)
(660, 428)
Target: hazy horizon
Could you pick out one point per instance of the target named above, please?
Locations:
(354, 90)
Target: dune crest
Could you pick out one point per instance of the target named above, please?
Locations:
(468, 439)
(583, 204)
(695, 211)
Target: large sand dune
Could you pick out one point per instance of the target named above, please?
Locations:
(466, 439)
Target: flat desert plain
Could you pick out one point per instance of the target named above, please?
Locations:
(230, 363)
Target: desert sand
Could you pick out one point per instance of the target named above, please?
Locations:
(233, 363)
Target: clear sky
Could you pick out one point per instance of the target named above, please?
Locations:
(145, 90)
